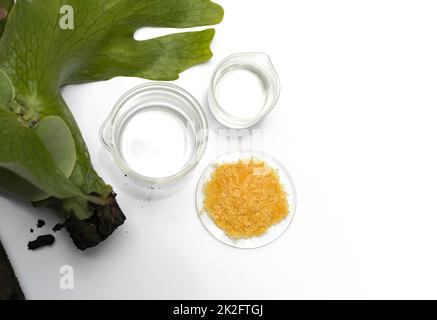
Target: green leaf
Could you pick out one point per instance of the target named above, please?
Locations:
(12, 183)
(58, 140)
(7, 91)
(5, 8)
(161, 58)
(23, 153)
(40, 53)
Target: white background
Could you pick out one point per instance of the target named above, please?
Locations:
(356, 127)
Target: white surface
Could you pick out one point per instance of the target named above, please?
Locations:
(356, 127)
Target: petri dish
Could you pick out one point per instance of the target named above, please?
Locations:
(156, 133)
(275, 231)
(244, 90)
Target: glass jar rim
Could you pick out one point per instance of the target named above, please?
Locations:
(269, 73)
(107, 131)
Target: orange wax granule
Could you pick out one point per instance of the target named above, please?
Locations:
(245, 198)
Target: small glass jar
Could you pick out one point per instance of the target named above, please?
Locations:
(244, 90)
(157, 133)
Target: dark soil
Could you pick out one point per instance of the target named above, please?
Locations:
(41, 223)
(41, 241)
(58, 227)
(9, 287)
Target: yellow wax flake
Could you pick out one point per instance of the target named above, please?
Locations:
(245, 198)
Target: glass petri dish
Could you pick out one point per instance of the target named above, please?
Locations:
(156, 133)
(275, 231)
(244, 89)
